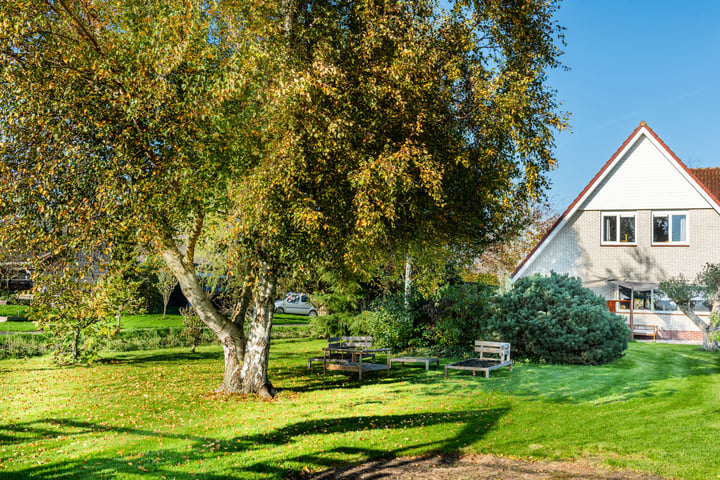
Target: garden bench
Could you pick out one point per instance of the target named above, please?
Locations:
(644, 329)
(351, 359)
(492, 355)
(426, 360)
(27, 297)
(344, 343)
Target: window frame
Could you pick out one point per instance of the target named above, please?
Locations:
(619, 215)
(670, 214)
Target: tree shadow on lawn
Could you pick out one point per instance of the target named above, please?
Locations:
(248, 454)
(152, 356)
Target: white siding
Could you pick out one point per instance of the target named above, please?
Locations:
(645, 178)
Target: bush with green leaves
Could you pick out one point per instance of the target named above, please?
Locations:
(555, 319)
(456, 315)
(333, 325)
(392, 324)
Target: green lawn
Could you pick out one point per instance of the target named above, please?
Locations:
(21, 326)
(128, 322)
(288, 319)
(155, 414)
(13, 311)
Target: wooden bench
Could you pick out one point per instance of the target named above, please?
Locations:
(344, 343)
(426, 360)
(493, 355)
(351, 360)
(643, 329)
(25, 297)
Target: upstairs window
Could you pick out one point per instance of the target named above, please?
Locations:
(618, 228)
(670, 228)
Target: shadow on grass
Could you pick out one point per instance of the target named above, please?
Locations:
(151, 356)
(245, 456)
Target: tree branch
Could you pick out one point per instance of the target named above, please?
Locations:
(79, 26)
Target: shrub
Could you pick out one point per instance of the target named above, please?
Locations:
(23, 345)
(153, 339)
(333, 325)
(456, 315)
(556, 320)
(391, 324)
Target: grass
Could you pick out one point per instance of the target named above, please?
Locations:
(154, 413)
(15, 312)
(17, 321)
(288, 319)
(18, 326)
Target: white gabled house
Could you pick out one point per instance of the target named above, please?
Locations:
(644, 218)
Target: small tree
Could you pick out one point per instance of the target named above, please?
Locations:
(707, 285)
(193, 327)
(165, 283)
(121, 295)
(71, 306)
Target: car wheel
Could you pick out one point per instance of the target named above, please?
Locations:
(279, 310)
(312, 313)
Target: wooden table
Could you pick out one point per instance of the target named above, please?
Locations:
(351, 360)
(426, 360)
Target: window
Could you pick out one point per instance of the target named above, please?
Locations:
(655, 301)
(670, 228)
(618, 228)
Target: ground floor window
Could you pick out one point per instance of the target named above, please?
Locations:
(656, 301)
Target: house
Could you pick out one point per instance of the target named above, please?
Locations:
(644, 218)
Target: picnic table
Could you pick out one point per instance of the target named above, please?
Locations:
(351, 359)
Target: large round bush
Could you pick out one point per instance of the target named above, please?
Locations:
(556, 320)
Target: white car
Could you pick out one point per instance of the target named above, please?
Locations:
(295, 303)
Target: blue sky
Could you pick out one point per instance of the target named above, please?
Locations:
(631, 61)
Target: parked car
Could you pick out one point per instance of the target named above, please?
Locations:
(295, 303)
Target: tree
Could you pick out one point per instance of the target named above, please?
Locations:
(501, 259)
(71, 306)
(312, 132)
(192, 327)
(707, 285)
(165, 283)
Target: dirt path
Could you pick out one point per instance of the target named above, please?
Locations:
(475, 467)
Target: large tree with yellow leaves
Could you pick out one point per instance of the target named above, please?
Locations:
(307, 132)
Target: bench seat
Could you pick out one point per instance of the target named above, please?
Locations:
(493, 355)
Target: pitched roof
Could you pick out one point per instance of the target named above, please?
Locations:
(710, 177)
(711, 189)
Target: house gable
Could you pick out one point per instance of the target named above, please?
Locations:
(643, 174)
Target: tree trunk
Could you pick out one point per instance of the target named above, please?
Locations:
(257, 349)
(706, 328)
(76, 340)
(408, 280)
(229, 334)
